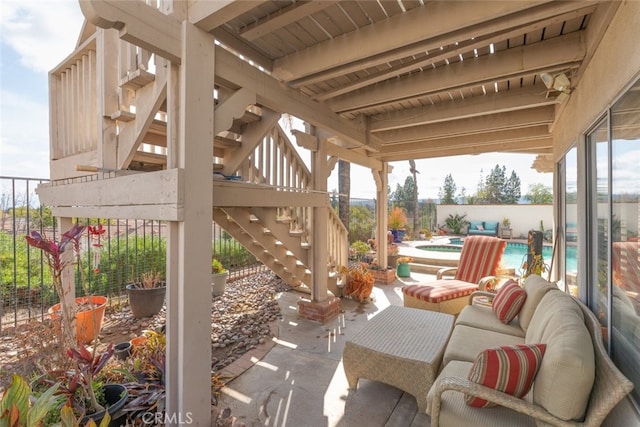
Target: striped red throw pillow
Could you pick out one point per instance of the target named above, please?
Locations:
(508, 301)
(510, 369)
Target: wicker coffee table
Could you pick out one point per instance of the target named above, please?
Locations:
(401, 347)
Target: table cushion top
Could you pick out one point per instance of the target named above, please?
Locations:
(406, 332)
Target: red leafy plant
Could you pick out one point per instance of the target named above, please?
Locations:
(57, 263)
(80, 387)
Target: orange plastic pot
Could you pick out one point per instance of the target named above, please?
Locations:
(137, 341)
(88, 321)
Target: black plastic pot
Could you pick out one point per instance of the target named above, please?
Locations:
(145, 302)
(116, 396)
(122, 350)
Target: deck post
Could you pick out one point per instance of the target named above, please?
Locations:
(189, 241)
(381, 178)
(321, 308)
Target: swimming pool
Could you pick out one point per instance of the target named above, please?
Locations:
(514, 254)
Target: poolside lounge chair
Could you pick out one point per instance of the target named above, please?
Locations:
(625, 257)
(480, 258)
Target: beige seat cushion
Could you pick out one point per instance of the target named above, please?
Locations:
(567, 372)
(536, 288)
(467, 342)
(455, 412)
(483, 317)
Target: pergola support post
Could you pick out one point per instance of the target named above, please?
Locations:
(322, 307)
(189, 291)
(381, 178)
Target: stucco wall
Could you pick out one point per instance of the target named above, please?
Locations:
(523, 217)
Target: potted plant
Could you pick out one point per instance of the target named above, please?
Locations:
(403, 269)
(397, 223)
(146, 296)
(506, 223)
(425, 234)
(359, 282)
(382, 275)
(86, 312)
(219, 276)
(392, 255)
(84, 396)
(455, 223)
(358, 251)
(144, 376)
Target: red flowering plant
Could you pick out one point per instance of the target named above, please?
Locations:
(57, 263)
(57, 259)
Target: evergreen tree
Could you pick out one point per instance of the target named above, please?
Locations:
(495, 184)
(480, 197)
(512, 189)
(448, 191)
(403, 196)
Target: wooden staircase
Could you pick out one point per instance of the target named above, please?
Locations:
(262, 194)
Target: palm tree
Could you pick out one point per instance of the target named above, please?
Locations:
(416, 220)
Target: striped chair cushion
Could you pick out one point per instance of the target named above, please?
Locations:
(480, 257)
(510, 369)
(440, 290)
(625, 257)
(508, 301)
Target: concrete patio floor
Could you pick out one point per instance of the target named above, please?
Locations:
(300, 381)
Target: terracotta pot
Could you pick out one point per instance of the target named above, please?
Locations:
(136, 342)
(88, 322)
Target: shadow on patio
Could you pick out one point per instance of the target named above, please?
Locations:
(301, 380)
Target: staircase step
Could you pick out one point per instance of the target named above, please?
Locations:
(137, 79)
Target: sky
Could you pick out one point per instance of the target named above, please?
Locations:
(36, 35)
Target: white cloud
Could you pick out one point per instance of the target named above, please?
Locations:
(42, 32)
(24, 140)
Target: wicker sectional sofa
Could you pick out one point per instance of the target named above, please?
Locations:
(576, 383)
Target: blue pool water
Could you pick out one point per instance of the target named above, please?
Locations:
(514, 255)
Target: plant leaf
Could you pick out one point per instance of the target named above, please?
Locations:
(15, 401)
(68, 419)
(42, 406)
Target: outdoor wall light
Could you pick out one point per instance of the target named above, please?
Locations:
(559, 82)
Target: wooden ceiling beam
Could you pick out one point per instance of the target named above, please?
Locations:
(536, 146)
(530, 138)
(282, 17)
(234, 72)
(491, 103)
(559, 52)
(471, 126)
(139, 24)
(242, 47)
(208, 15)
(424, 29)
(450, 51)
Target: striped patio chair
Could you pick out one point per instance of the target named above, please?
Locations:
(480, 258)
(625, 259)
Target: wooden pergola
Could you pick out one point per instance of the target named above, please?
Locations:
(152, 101)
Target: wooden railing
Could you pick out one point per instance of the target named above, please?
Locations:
(73, 103)
(76, 104)
(276, 162)
(338, 241)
